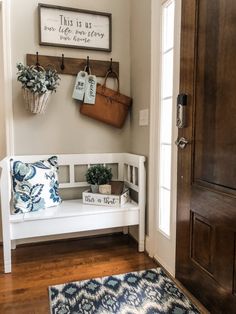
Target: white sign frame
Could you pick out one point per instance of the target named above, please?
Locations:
(74, 28)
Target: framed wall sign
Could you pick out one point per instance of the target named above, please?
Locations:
(74, 28)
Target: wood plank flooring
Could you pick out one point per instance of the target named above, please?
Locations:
(37, 266)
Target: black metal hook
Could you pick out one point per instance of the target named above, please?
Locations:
(110, 68)
(37, 60)
(62, 62)
(87, 68)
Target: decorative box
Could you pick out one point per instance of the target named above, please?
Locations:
(106, 200)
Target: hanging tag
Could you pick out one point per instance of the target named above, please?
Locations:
(90, 90)
(80, 85)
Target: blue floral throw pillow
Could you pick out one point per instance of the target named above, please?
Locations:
(35, 185)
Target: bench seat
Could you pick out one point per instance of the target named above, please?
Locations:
(71, 208)
(72, 216)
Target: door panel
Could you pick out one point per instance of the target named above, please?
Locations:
(206, 214)
(201, 242)
(215, 86)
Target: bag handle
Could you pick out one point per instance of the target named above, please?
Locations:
(37, 68)
(109, 72)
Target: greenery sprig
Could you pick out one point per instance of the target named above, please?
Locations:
(98, 174)
(36, 79)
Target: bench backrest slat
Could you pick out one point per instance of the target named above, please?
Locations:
(130, 168)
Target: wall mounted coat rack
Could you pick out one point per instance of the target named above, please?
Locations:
(72, 66)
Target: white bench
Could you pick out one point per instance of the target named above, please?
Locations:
(72, 215)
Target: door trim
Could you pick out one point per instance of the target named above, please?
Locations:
(154, 111)
(7, 75)
(153, 181)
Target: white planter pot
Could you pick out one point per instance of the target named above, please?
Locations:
(94, 188)
(35, 103)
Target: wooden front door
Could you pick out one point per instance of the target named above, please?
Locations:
(206, 218)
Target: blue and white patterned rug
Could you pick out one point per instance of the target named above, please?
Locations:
(144, 292)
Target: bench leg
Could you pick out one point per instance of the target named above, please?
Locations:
(125, 230)
(141, 232)
(5, 195)
(141, 241)
(13, 244)
(7, 255)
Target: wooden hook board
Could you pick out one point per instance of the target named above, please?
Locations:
(73, 65)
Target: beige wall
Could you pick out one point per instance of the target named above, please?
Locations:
(140, 72)
(62, 129)
(140, 79)
(2, 121)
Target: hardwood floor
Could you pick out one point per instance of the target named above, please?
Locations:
(37, 266)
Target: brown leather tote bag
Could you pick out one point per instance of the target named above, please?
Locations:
(111, 106)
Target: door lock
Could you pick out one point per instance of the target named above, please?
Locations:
(181, 111)
(181, 142)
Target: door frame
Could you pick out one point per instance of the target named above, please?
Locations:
(6, 81)
(7, 75)
(153, 181)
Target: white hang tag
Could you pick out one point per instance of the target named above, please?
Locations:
(80, 85)
(90, 91)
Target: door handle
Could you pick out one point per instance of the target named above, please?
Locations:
(181, 142)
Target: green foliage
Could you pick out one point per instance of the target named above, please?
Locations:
(37, 80)
(98, 174)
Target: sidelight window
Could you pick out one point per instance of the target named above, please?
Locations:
(166, 105)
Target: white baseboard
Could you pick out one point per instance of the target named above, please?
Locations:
(148, 246)
(165, 266)
(69, 236)
(133, 232)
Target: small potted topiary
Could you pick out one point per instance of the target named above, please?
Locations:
(98, 176)
(37, 85)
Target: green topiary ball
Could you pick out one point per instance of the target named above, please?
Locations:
(98, 174)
